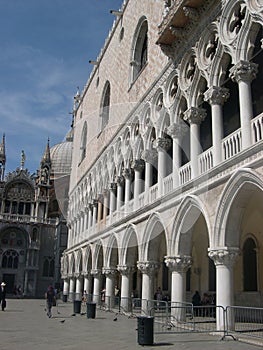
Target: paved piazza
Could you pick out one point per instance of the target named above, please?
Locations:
(25, 326)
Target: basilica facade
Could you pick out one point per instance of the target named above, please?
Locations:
(166, 186)
(33, 232)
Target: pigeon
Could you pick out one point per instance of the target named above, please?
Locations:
(73, 315)
(62, 321)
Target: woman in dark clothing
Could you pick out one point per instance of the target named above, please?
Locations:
(3, 296)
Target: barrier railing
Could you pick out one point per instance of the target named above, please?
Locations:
(244, 321)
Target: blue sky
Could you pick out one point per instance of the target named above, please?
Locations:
(45, 48)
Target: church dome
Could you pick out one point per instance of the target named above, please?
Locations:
(61, 155)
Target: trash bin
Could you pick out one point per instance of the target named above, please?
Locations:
(65, 298)
(145, 330)
(77, 306)
(91, 310)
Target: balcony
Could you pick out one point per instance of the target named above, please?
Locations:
(178, 18)
(25, 219)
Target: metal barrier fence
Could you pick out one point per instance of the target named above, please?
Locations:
(244, 322)
(174, 317)
(184, 317)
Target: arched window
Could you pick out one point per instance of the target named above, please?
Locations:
(83, 143)
(139, 55)
(10, 259)
(250, 266)
(105, 106)
(48, 267)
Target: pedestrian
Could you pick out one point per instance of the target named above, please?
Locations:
(50, 300)
(3, 296)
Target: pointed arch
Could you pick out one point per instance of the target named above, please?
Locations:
(187, 214)
(242, 183)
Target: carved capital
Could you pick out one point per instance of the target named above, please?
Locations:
(127, 173)
(149, 155)
(224, 256)
(178, 263)
(108, 271)
(138, 165)
(125, 270)
(120, 180)
(216, 95)
(244, 71)
(195, 115)
(112, 186)
(148, 267)
(177, 130)
(95, 272)
(163, 143)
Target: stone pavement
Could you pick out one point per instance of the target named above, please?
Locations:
(25, 326)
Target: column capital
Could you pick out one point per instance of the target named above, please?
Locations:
(109, 271)
(112, 186)
(86, 273)
(195, 115)
(100, 197)
(105, 192)
(177, 130)
(138, 165)
(125, 270)
(178, 263)
(120, 180)
(244, 71)
(224, 256)
(95, 272)
(149, 155)
(163, 143)
(94, 202)
(89, 206)
(148, 267)
(127, 173)
(216, 95)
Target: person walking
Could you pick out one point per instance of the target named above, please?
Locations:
(50, 300)
(3, 296)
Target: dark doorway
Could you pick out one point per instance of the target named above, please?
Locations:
(9, 279)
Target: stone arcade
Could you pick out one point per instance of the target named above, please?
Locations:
(166, 187)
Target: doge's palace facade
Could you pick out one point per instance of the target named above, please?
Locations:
(166, 185)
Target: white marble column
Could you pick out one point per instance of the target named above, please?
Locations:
(138, 166)
(87, 284)
(110, 287)
(72, 288)
(94, 212)
(112, 188)
(177, 131)
(96, 286)
(243, 73)
(216, 97)
(79, 286)
(89, 215)
(126, 272)
(105, 204)
(150, 157)
(148, 270)
(195, 116)
(65, 286)
(127, 176)
(178, 265)
(224, 260)
(162, 146)
(120, 181)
